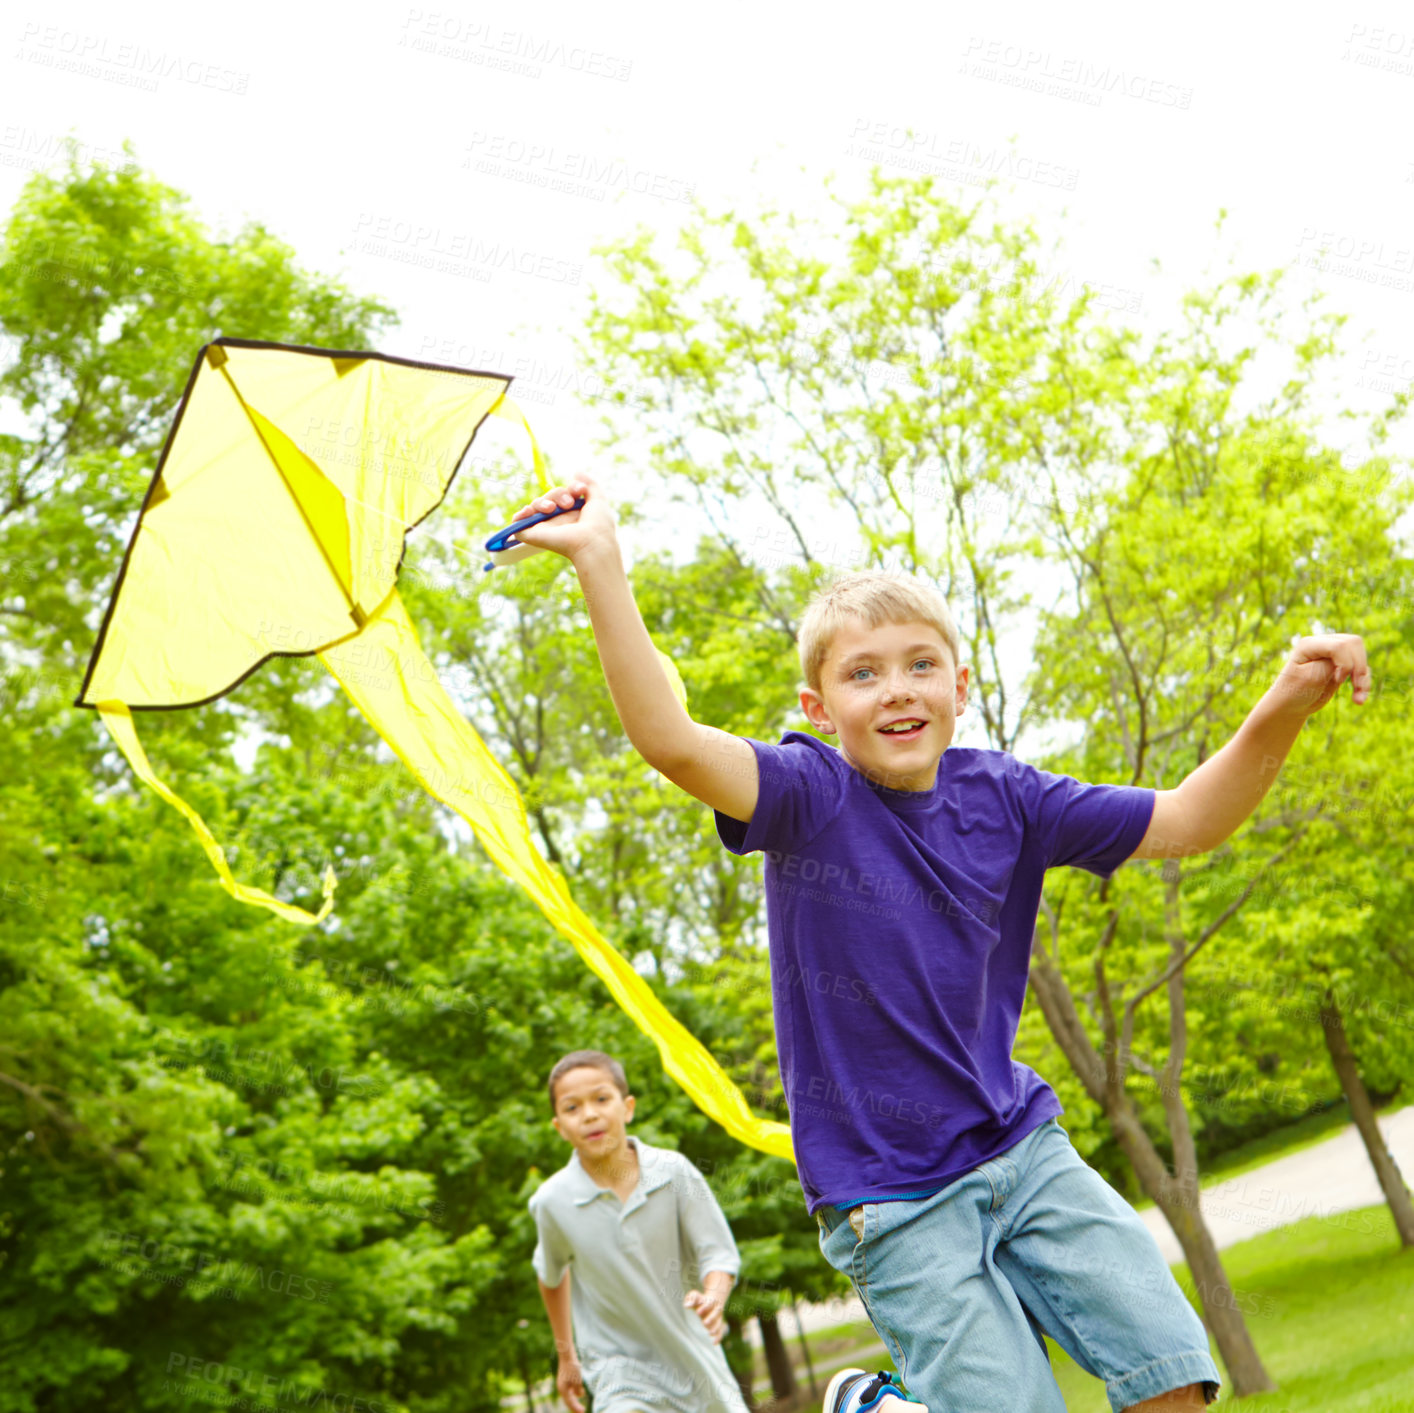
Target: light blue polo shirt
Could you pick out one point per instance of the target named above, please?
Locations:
(633, 1262)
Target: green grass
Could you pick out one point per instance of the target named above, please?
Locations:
(1335, 1321)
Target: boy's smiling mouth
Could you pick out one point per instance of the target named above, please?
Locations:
(906, 728)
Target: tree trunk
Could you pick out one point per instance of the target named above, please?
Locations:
(1363, 1112)
(743, 1377)
(805, 1348)
(1176, 1195)
(777, 1360)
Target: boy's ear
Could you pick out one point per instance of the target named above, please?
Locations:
(630, 1102)
(813, 705)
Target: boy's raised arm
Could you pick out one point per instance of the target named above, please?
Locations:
(715, 766)
(1214, 800)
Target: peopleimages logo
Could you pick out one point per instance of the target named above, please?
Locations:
(510, 50)
(829, 983)
(203, 1380)
(957, 158)
(453, 252)
(143, 1254)
(121, 61)
(590, 175)
(827, 1098)
(837, 880)
(1067, 76)
(22, 146)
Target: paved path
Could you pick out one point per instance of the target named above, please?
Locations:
(1321, 1181)
(1328, 1178)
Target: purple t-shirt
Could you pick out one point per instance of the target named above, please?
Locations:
(900, 927)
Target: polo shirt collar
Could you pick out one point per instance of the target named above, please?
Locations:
(652, 1174)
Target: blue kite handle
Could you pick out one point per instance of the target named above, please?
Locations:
(504, 538)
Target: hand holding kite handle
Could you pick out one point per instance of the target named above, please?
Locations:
(504, 548)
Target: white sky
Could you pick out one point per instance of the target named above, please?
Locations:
(336, 131)
(355, 133)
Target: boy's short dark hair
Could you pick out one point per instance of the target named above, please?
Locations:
(590, 1059)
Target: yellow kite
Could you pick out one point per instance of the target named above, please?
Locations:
(275, 526)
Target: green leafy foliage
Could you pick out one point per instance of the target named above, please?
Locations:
(250, 1159)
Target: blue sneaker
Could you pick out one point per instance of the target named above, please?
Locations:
(854, 1391)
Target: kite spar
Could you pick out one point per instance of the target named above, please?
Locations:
(274, 526)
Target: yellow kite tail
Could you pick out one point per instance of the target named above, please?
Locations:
(119, 721)
(396, 688)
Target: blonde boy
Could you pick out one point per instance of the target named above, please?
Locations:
(903, 876)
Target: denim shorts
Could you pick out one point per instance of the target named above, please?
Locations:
(962, 1284)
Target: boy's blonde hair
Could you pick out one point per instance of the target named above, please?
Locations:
(876, 598)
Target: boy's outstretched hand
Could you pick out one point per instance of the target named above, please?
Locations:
(1213, 801)
(575, 531)
(1317, 666)
(711, 1306)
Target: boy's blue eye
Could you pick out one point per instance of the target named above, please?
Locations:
(927, 661)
